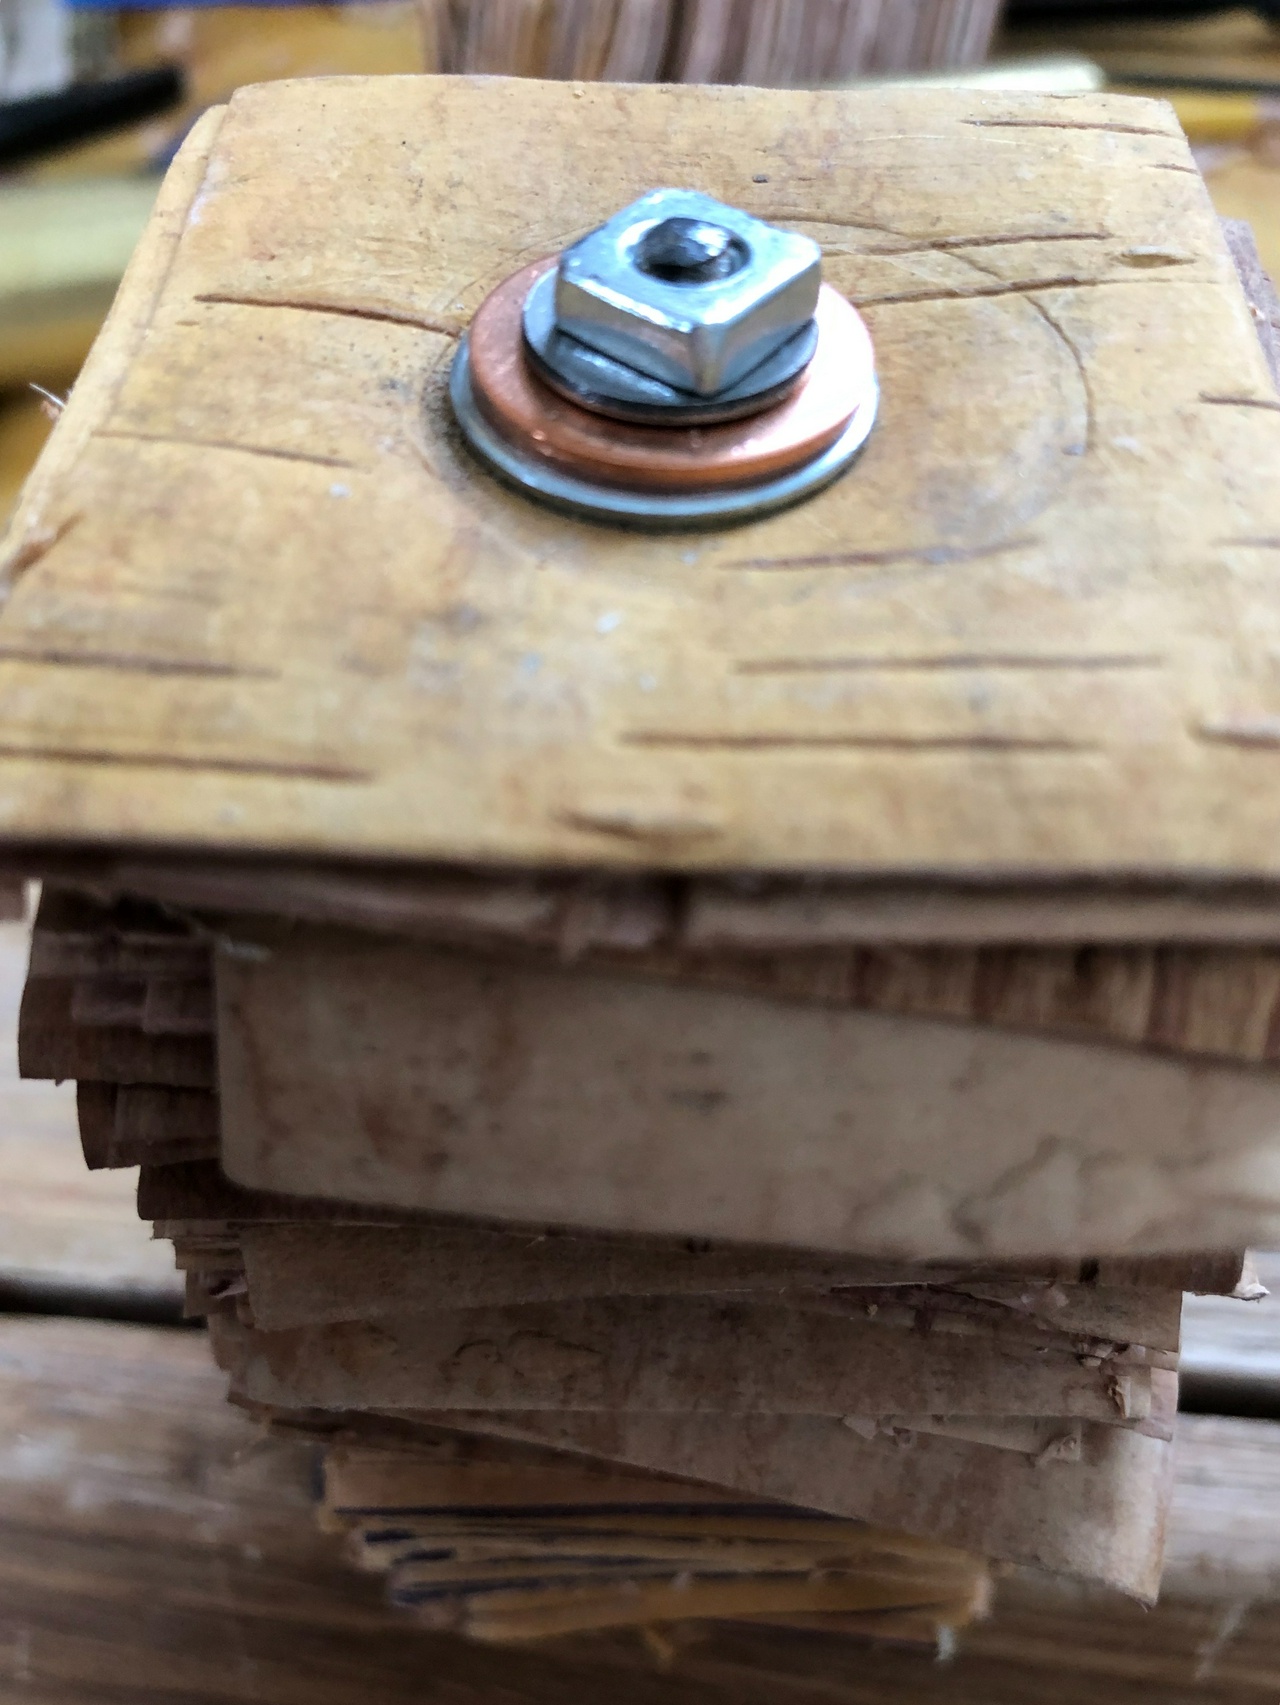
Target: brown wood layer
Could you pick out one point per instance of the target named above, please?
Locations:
(215, 1584)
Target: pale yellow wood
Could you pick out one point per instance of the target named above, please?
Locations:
(1030, 632)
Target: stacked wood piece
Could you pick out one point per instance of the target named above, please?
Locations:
(1017, 1409)
(778, 1011)
(778, 43)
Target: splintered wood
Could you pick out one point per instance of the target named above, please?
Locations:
(701, 1068)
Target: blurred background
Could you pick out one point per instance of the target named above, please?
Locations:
(95, 99)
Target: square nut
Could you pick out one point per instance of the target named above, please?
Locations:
(687, 290)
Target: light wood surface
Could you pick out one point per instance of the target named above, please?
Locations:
(1028, 633)
(154, 1535)
(389, 1073)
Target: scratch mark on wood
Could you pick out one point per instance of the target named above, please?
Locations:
(350, 310)
(29, 551)
(283, 769)
(945, 245)
(762, 741)
(134, 664)
(1169, 166)
(1070, 124)
(935, 556)
(1090, 433)
(1252, 544)
(954, 660)
(224, 444)
(1242, 402)
(1064, 281)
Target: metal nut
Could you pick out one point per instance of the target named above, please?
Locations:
(687, 290)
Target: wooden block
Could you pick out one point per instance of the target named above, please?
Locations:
(1028, 636)
(387, 1073)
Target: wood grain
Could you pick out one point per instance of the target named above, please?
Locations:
(1027, 636)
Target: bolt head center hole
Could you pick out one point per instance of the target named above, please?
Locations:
(690, 251)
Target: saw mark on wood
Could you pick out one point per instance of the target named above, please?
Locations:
(934, 556)
(957, 660)
(1070, 124)
(224, 444)
(858, 742)
(135, 664)
(284, 769)
(349, 310)
(1242, 402)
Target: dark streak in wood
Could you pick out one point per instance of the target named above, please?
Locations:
(285, 769)
(33, 548)
(1243, 402)
(945, 245)
(1070, 124)
(935, 556)
(1067, 281)
(138, 665)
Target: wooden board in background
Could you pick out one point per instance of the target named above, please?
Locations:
(1231, 1352)
(155, 1536)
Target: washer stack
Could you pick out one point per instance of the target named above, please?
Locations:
(701, 1062)
(683, 365)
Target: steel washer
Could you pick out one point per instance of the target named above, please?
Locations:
(650, 509)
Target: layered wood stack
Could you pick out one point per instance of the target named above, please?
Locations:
(768, 43)
(1018, 1409)
(776, 1016)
